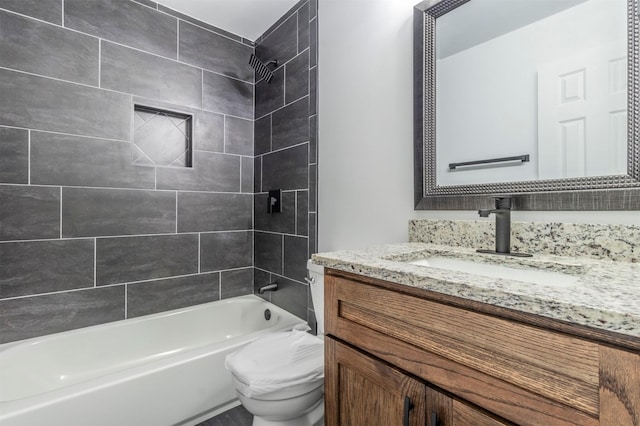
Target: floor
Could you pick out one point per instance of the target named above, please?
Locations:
(237, 416)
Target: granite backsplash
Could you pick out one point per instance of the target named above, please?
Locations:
(608, 242)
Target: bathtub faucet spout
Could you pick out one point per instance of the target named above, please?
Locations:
(269, 287)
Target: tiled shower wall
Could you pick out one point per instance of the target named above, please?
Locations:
(285, 158)
(87, 237)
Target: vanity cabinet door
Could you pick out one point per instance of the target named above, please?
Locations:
(363, 391)
(443, 410)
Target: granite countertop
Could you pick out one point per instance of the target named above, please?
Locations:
(606, 294)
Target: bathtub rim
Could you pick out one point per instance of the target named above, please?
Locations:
(118, 323)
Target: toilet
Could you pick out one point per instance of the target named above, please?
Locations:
(279, 378)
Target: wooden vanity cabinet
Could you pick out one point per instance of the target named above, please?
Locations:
(367, 391)
(362, 390)
(443, 410)
(393, 350)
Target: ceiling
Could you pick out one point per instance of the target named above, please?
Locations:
(246, 18)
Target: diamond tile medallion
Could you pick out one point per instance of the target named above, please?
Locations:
(161, 138)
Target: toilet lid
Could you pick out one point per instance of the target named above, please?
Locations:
(277, 361)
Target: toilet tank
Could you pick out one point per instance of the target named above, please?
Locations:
(316, 283)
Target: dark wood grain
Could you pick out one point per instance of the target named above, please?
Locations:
(466, 415)
(619, 387)
(369, 392)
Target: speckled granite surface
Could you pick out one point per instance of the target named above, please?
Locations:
(613, 242)
(605, 296)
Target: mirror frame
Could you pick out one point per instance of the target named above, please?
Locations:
(614, 192)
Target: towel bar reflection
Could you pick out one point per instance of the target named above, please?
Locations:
(521, 158)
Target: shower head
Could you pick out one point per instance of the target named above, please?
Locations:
(261, 68)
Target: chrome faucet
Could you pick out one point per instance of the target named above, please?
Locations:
(269, 287)
(503, 227)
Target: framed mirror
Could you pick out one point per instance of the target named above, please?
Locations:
(537, 99)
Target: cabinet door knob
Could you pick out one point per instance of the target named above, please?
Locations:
(434, 419)
(408, 406)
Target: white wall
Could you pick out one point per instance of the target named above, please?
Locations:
(365, 166)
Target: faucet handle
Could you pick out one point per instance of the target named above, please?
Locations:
(502, 201)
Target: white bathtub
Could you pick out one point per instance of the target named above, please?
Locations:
(161, 369)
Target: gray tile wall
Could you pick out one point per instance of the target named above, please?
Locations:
(87, 237)
(285, 144)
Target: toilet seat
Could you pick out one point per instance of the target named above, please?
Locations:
(284, 393)
(278, 361)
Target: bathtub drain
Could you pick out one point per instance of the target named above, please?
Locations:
(267, 314)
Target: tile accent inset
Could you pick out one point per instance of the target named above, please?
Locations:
(161, 138)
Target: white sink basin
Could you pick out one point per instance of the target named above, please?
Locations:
(498, 271)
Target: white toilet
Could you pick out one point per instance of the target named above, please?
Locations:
(279, 378)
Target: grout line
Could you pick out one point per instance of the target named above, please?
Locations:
(29, 157)
(219, 285)
(283, 149)
(177, 217)
(199, 253)
(43, 240)
(217, 73)
(72, 290)
(126, 283)
(241, 175)
(280, 233)
(13, 12)
(126, 301)
(261, 175)
(271, 274)
(281, 107)
(100, 63)
(282, 254)
(309, 74)
(177, 40)
(95, 262)
(62, 133)
(120, 236)
(271, 132)
(295, 213)
(63, 13)
(297, 30)
(253, 231)
(135, 189)
(60, 212)
(224, 134)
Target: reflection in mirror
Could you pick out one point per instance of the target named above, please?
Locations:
(552, 84)
(540, 78)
